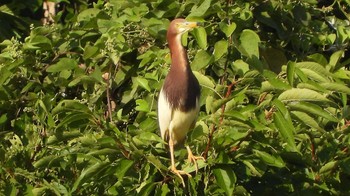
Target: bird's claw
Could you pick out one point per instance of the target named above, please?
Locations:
(193, 159)
(179, 173)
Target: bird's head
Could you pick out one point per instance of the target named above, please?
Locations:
(179, 26)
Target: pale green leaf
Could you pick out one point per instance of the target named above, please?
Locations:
(335, 57)
(228, 29)
(290, 72)
(307, 120)
(201, 37)
(316, 67)
(220, 48)
(249, 43)
(337, 87)
(199, 11)
(299, 94)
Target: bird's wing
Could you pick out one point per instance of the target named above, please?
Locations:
(164, 115)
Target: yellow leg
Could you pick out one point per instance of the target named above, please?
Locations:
(192, 158)
(173, 168)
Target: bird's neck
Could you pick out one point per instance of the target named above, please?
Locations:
(179, 58)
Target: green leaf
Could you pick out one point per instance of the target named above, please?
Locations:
(274, 84)
(75, 117)
(335, 57)
(299, 94)
(312, 109)
(286, 132)
(315, 67)
(149, 136)
(142, 82)
(220, 48)
(90, 51)
(249, 43)
(45, 161)
(201, 60)
(88, 14)
(201, 37)
(337, 87)
(228, 29)
(290, 72)
(142, 105)
(122, 167)
(226, 179)
(252, 169)
(63, 64)
(328, 167)
(89, 173)
(272, 160)
(307, 120)
(70, 106)
(199, 11)
(314, 75)
(241, 67)
(156, 162)
(204, 80)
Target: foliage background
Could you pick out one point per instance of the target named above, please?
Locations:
(78, 98)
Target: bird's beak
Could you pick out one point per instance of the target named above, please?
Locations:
(192, 25)
(186, 26)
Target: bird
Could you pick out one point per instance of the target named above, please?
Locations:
(178, 102)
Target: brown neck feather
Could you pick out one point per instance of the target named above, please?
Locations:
(178, 53)
(181, 86)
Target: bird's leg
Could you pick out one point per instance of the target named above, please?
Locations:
(192, 158)
(173, 168)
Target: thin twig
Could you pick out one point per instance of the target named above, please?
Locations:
(109, 106)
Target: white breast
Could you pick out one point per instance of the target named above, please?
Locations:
(175, 122)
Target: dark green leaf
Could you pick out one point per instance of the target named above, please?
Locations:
(226, 179)
(63, 64)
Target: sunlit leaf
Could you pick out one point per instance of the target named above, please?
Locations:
(228, 29)
(200, 10)
(299, 94)
(201, 37)
(220, 48)
(250, 43)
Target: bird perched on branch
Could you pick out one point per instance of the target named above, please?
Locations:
(178, 103)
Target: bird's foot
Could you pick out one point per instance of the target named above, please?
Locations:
(193, 159)
(179, 173)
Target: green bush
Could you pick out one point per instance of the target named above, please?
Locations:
(78, 100)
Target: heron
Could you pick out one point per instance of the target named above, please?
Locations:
(178, 102)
